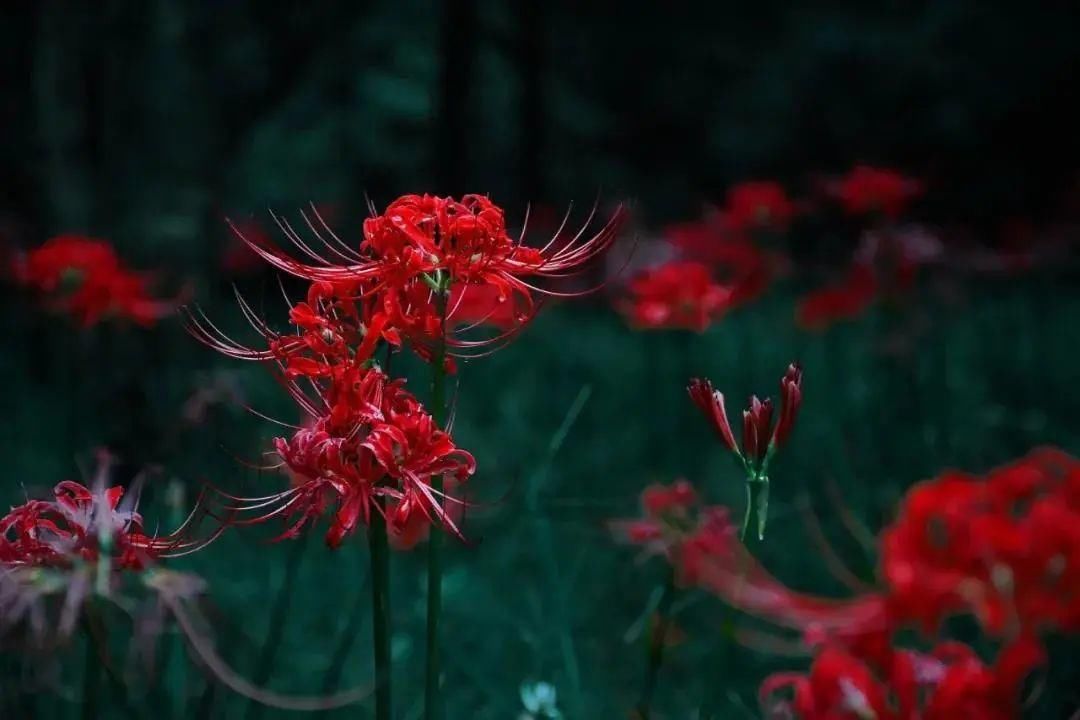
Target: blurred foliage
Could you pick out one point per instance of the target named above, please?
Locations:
(148, 122)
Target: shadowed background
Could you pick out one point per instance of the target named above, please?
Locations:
(149, 123)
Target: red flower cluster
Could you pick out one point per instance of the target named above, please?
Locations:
(846, 300)
(78, 524)
(949, 682)
(759, 205)
(421, 247)
(1005, 549)
(868, 190)
(428, 270)
(84, 277)
(371, 439)
(679, 295)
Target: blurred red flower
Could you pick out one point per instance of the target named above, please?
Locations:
(847, 300)
(868, 190)
(82, 525)
(83, 276)
(759, 205)
(679, 295)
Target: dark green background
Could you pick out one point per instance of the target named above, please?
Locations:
(147, 123)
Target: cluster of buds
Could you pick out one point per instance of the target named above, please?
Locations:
(761, 438)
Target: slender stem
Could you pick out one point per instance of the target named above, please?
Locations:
(656, 645)
(380, 612)
(91, 677)
(432, 706)
(278, 620)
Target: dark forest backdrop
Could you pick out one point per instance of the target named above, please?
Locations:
(149, 122)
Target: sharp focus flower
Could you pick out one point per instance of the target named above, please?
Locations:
(760, 438)
(370, 439)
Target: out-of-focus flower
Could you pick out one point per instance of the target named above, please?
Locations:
(1005, 548)
(83, 525)
(868, 190)
(844, 301)
(759, 205)
(735, 260)
(1002, 548)
(84, 277)
(540, 701)
(949, 682)
(679, 295)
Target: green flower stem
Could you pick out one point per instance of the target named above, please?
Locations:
(432, 705)
(91, 677)
(656, 645)
(278, 620)
(380, 612)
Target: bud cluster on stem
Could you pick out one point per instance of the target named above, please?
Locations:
(760, 437)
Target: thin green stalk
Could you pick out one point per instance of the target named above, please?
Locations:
(278, 620)
(432, 706)
(91, 678)
(656, 645)
(380, 612)
(345, 642)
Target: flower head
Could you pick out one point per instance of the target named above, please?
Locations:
(866, 190)
(846, 300)
(760, 437)
(679, 295)
(371, 440)
(83, 276)
(759, 205)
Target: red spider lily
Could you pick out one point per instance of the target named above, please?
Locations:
(1005, 548)
(672, 517)
(679, 295)
(81, 524)
(759, 205)
(950, 682)
(83, 276)
(423, 236)
(845, 301)
(868, 190)
(372, 440)
(760, 438)
(482, 304)
(740, 264)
